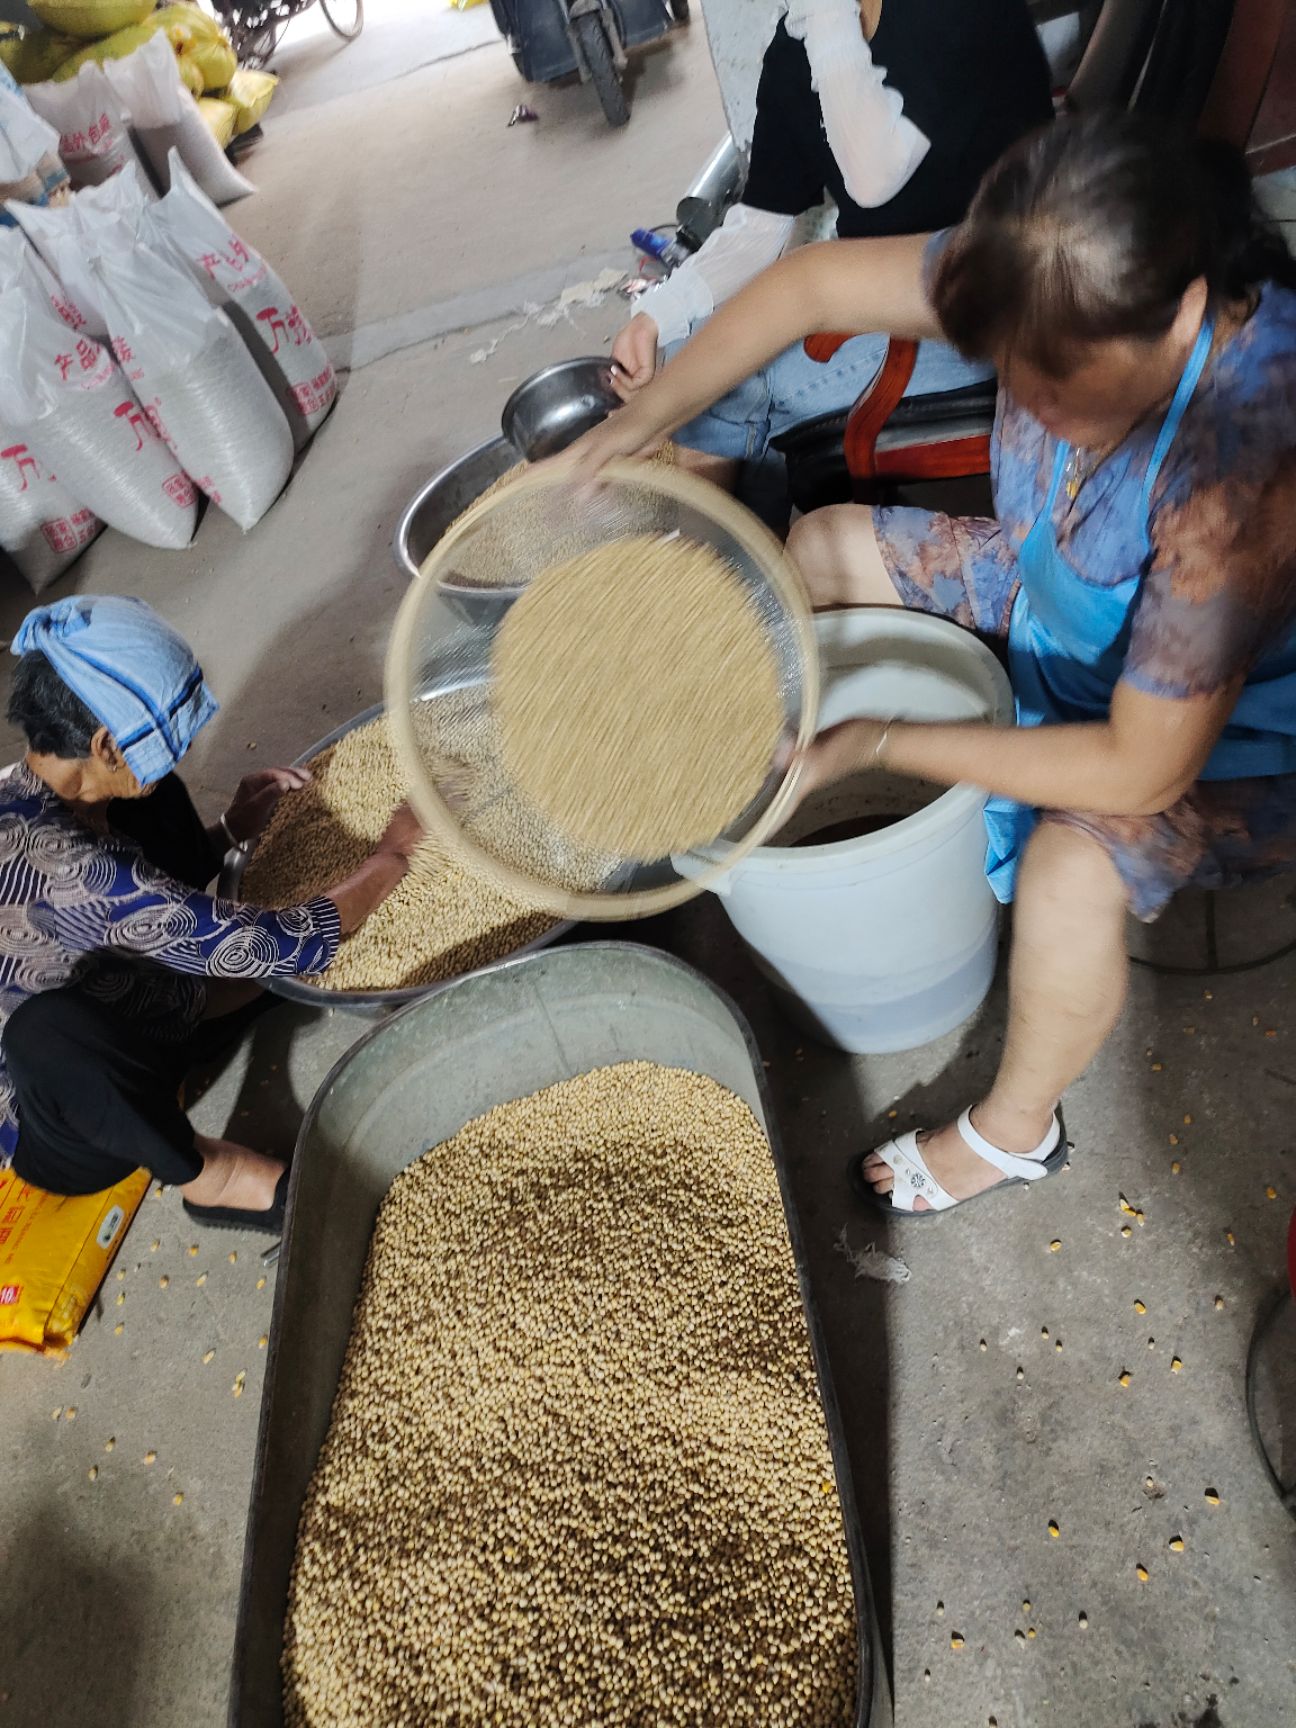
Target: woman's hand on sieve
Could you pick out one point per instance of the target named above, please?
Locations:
(618, 436)
(402, 834)
(258, 794)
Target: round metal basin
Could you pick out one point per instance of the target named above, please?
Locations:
(552, 409)
(446, 496)
(371, 1002)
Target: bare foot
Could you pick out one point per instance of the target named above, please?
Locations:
(233, 1175)
(954, 1164)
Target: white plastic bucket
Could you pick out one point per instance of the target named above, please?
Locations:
(887, 940)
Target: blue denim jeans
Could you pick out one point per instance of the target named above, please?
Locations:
(793, 388)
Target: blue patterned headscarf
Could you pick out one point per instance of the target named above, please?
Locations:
(133, 672)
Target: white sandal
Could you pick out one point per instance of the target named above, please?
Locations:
(913, 1178)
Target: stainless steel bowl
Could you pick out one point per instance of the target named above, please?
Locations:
(370, 1002)
(446, 496)
(552, 409)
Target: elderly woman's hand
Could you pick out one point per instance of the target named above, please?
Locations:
(258, 794)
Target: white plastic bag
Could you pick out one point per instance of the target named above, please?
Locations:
(165, 115)
(63, 237)
(41, 528)
(199, 385)
(62, 394)
(87, 113)
(234, 275)
(30, 169)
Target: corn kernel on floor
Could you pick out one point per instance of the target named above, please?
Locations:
(973, 1433)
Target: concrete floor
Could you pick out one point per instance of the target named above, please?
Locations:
(414, 225)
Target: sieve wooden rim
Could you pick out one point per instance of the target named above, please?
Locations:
(401, 693)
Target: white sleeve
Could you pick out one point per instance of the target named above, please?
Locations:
(874, 145)
(744, 244)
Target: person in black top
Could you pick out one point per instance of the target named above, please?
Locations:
(894, 109)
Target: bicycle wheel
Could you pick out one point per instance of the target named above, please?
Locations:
(346, 17)
(597, 54)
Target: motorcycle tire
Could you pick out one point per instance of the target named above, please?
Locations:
(596, 51)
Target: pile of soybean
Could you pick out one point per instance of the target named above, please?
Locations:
(441, 921)
(637, 695)
(577, 1470)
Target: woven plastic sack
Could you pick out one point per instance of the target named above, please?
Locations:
(199, 40)
(87, 114)
(66, 236)
(90, 19)
(237, 277)
(165, 117)
(33, 55)
(42, 528)
(251, 92)
(55, 1251)
(63, 394)
(30, 169)
(114, 47)
(193, 373)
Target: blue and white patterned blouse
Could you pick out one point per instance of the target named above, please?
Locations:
(86, 907)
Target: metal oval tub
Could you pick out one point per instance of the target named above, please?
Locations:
(372, 1002)
(411, 1082)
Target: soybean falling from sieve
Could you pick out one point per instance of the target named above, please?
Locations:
(637, 696)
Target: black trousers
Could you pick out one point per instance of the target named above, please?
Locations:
(97, 1094)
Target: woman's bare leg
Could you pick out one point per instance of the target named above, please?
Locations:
(837, 553)
(1068, 973)
(721, 471)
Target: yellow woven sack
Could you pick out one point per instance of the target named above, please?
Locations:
(191, 75)
(115, 47)
(90, 19)
(201, 45)
(33, 56)
(250, 93)
(54, 1254)
(220, 117)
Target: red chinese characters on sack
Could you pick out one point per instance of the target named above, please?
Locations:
(316, 395)
(292, 325)
(179, 490)
(23, 461)
(70, 533)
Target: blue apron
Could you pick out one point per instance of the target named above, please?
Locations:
(1067, 641)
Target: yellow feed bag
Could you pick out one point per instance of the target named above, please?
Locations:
(202, 46)
(54, 1254)
(115, 47)
(203, 52)
(33, 56)
(250, 94)
(90, 19)
(220, 117)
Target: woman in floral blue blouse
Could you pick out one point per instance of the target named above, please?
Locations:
(1140, 567)
(118, 970)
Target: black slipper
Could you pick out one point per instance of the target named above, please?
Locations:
(1012, 1168)
(239, 1218)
